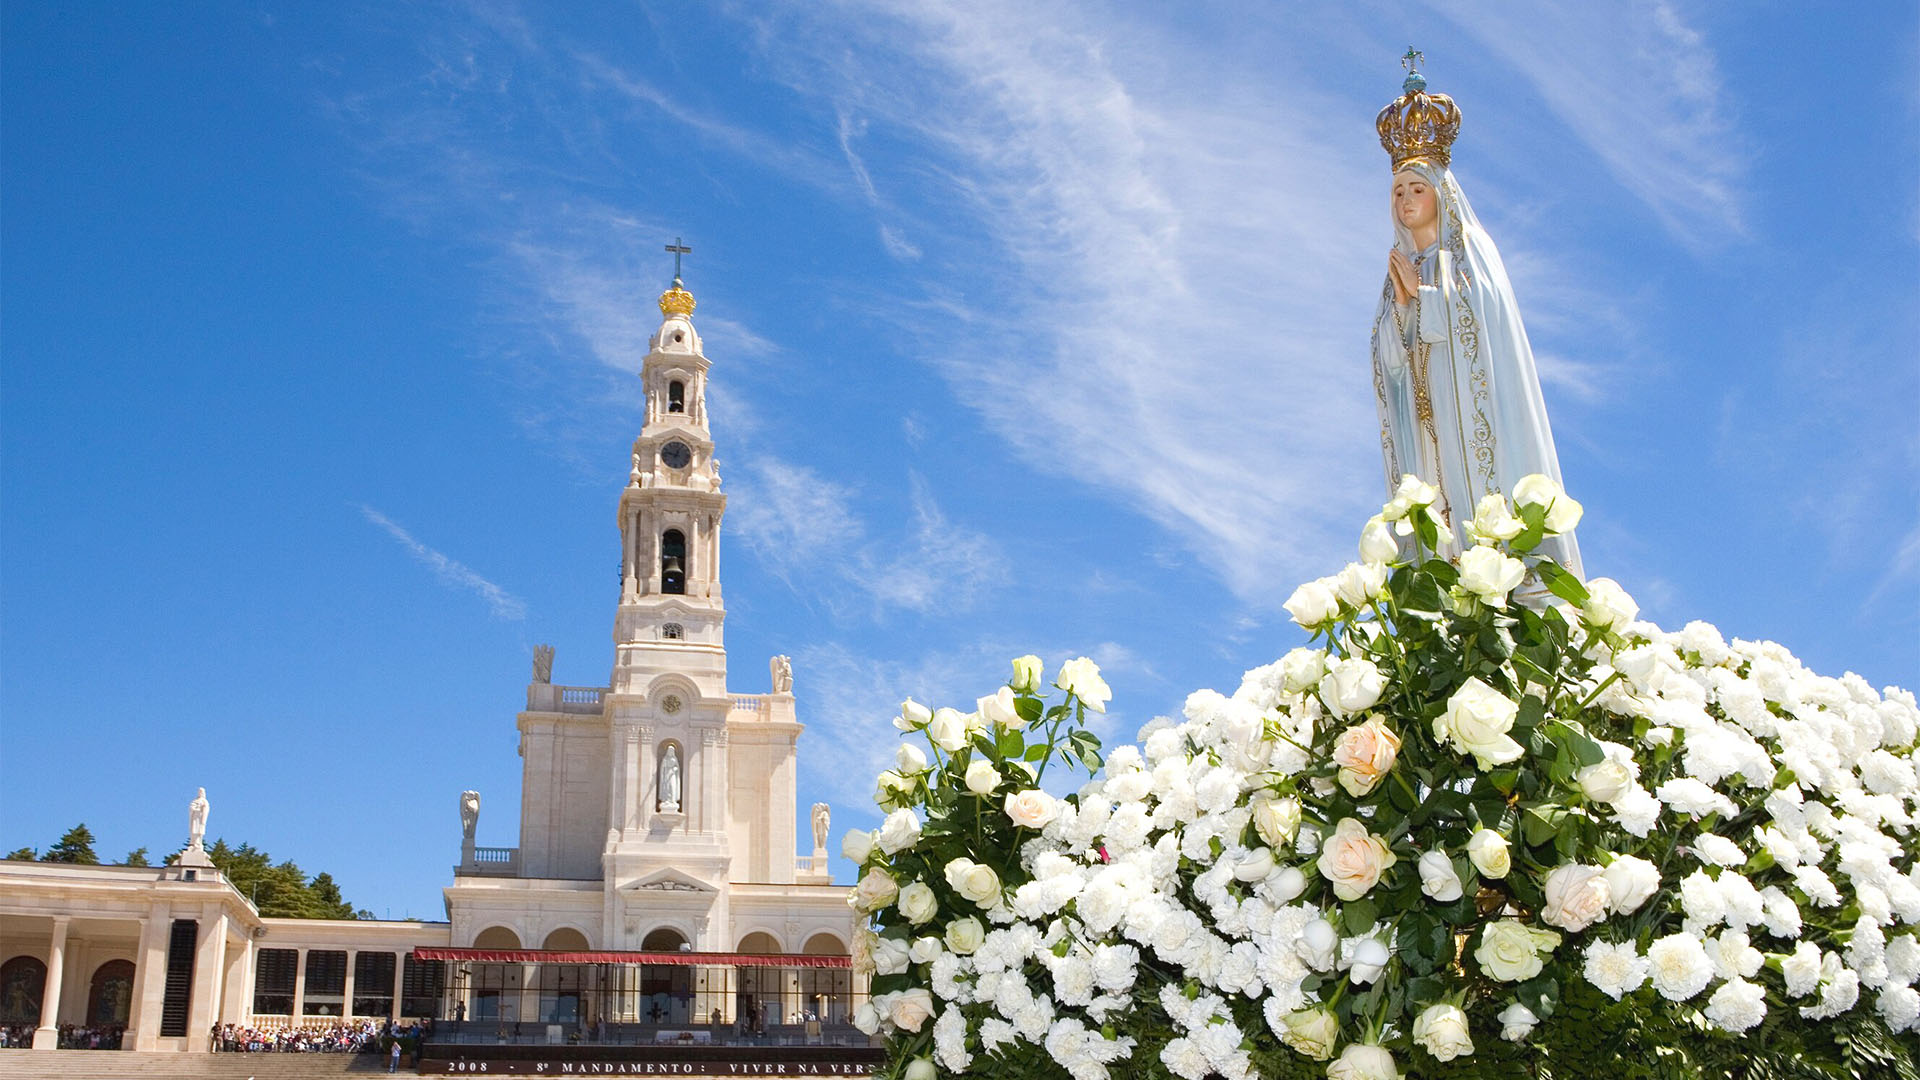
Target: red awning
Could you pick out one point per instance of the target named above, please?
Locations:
(683, 959)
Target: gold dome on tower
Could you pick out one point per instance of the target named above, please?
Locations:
(1418, 126)
(677, 300)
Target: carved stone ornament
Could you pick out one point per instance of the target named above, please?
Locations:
(669, 886)
(670, 704)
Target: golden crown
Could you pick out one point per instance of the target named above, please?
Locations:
(1418, 126)
(676, 301)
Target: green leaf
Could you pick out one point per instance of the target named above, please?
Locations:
(1359, 915)
(1562, 583)
(1029, 708)
(1037, 752)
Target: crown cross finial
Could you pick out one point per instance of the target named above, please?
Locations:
(1413, 59)
(677, 300)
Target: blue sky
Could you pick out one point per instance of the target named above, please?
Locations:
(1038, 327)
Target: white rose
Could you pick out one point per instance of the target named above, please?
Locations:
(910, 1009)
(890, 955)
(1414, 491)
(1313, 1032)
(875, 891)
(1359, 583)
(948, 729)
(913, 716)
(1318, 944)
(910, 759)
(925, 950)
(1608, 606)
(1286, 885)
(866, 1018)
(1301, 669)
(891, 780)
(997, 709)
(1352, 685)
(965, 935)
(1487, 850)
(1539, 489)
(1442, 1029)
(1032, 808)
(973, 881)
(1377, 544)
(982, 777)
(856, 845)
(920, 1069)
(1081, 678)
(917, 902)
(1577, 897)
(1516, 1022)
(1363, 1061)
(1438, 878)
(1632, 881)
(1493, 521)
(1510, 951)
(1256, 865)
(1369, 960)
(1312, 604)
(1605, 782)
(1365, 753)
(899, 832)
(1026, 674)
(1476, 722)
(1353, 859)
(1275, 819)
(1490, 575)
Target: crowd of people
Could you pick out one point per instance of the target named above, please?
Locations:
(71, 1036)
(340, 1037)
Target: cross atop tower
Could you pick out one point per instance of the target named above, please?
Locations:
(678, 250)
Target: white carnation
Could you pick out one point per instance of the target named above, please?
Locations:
(1737, 1005)
(1679, 966)
(1615, 969)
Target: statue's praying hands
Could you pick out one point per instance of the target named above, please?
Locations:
(1406, 279)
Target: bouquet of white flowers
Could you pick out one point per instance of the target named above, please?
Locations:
(1457, 835)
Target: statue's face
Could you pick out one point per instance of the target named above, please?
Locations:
(1415, 204)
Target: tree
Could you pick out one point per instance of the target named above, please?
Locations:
(75, 847)
(136, 857)
(25, 854)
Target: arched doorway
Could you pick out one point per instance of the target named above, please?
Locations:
(495, 988)
(110, 996)
(827, 993)
(22, 980)
(666, 990)
(762, 995)
(563, 986)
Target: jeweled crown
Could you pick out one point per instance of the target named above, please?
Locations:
(1418, 126)
(676, 301)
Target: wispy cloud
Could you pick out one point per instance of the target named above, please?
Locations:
(452, 573)
(802, 526)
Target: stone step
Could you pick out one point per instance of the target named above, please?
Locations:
(132, 1065)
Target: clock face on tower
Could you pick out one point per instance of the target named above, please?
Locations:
(676, 454)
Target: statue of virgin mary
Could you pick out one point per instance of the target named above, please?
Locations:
(1459, 398)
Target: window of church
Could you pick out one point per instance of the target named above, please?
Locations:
(273, 976)
(673, 562)
(673, 631)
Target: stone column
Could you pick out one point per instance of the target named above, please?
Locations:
(640, 776)
(399, 985)
(150, 977)
(47, 1035)
(300, 986)
(346, 999)
(209, 964)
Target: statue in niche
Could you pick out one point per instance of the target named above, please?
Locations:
(821, 817)
(1453, 372)
(469, 814)
(782, 668)
(670, 780)
(543, 664)
(197, 822)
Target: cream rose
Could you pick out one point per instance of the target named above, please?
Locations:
(1377, 544)
(998, 710)
(899, 832)
(1538, 489)
(1438, 879)
(1605, 782)
(856, 845)
(910, 1009)
(1312, 604)
(1487, 850)
(1255, 865)
(1275, 819)
(875, 891)
(890, 956)
(1490, 575)
(1516, 1022)
(1032, 808)
(1369, 960)
(1631, 882)
(1442, 1030)
(1363, 1061)
(1313, 1032)
(920, 1069)
(1301, 669)
(982, 777)
(910, 760)
(1081, 678)
(1476, 722)
(973, 881)
(1353, 859)
(917, 902)
(1510, 951)
(913, 716)
(1352, 685)
(1492, 520)
(965, 935)
(1577, 896)
(1365, 753)
(1026, 674)
(1608, 606)
(949, 730)
(1318, 945)
(1360, 583)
